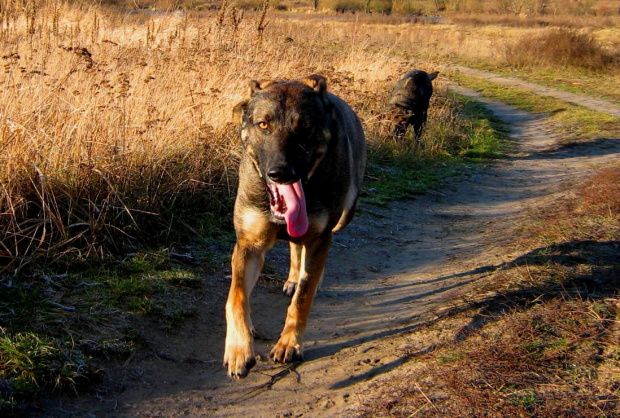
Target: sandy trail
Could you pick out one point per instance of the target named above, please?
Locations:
(389, 271)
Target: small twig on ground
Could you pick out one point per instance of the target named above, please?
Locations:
(426, 397)
(191, 360)
(291, 368)
(61, 307)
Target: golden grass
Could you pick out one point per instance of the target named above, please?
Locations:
(115, 125)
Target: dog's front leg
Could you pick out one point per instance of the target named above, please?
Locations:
(247, 263)
(293, 275)
(313, 257)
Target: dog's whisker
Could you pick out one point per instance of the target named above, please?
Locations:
(303, 149)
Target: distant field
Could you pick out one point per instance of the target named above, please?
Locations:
(501, 8)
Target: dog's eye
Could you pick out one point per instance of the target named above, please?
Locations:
(303, 124)
(262, 125)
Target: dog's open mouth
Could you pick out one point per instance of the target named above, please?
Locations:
(288, 203)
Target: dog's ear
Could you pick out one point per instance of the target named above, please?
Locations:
(257, 85)
(239, 111)
(433, 75)
(317, 83)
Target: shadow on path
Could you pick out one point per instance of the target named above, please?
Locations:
(599, 283)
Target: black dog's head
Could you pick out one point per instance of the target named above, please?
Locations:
(412, 92)
(285, 131)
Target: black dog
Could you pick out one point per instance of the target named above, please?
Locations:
(408, 103)
(304, 156)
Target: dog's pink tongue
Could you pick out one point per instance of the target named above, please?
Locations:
(295, 216)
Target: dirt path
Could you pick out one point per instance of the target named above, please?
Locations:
(578, 99)
(387, 273)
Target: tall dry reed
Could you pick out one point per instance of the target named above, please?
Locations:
(115, 127)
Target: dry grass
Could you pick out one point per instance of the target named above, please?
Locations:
(526, 8)
(561, 48)
(115, 127)
(593, 214)
(552, 359)
(600, 196)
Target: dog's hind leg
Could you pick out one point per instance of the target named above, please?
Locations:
(293, 274)
(313, 257)
(247, 263)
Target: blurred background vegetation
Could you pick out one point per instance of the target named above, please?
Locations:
(420, 7)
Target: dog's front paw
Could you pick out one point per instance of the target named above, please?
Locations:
(239, 359)
(289, 288)
(286, 350)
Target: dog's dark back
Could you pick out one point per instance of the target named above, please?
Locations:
(409, 101)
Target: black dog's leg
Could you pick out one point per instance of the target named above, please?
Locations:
(419, 120)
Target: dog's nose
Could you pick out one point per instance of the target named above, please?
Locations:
(283, 174)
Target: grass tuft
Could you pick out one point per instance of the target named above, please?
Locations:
(561, 47)
(31, 365)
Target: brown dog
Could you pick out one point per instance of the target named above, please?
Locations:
(304, 156)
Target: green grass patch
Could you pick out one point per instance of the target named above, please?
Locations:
(449, 357)
(31, 364)
(527, 401)
(385, 184)
(401, 170)
(487, 134)
(161, 293)
(55, 330)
